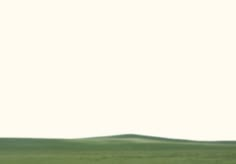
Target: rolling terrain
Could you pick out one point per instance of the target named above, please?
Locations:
(119, 149)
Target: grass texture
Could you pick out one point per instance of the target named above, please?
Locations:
(121, 149)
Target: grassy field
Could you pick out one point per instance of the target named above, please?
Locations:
(122, 149)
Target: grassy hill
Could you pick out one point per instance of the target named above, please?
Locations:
(120, 149)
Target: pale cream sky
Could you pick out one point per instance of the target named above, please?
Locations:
(73, 68)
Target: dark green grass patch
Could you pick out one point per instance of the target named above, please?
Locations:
(123, 149)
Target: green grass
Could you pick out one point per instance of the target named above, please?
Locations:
(121, 149)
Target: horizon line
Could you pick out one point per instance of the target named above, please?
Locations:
(115, 135)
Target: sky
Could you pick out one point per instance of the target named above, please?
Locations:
(74, 69)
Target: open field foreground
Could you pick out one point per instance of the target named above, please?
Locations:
(121, 149)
